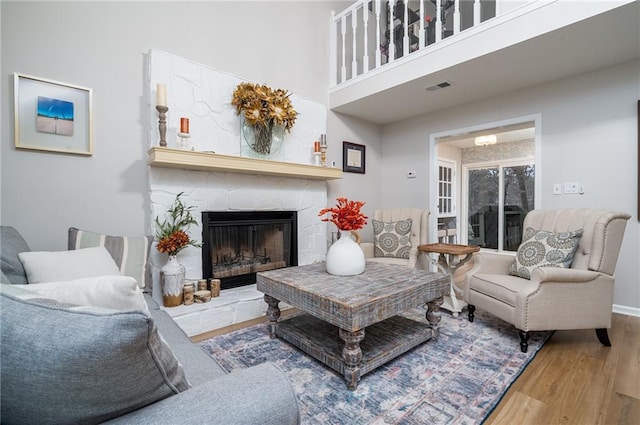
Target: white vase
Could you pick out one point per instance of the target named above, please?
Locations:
(172, 277)
(345, 257)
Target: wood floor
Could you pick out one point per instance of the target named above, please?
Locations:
(573, 380)
(576, 380)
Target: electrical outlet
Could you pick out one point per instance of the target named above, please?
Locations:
(572, 188)
(411, 174)
(557, 189)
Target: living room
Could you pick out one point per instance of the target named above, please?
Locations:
(588, 133)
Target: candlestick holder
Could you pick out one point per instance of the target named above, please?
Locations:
(162, 124)
(183, 143)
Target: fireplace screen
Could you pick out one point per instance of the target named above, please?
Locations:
(237, 245)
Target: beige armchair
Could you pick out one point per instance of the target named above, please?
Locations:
(418, 235)
(555, 298)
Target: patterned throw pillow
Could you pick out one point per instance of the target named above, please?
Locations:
(544, 249)
(392, 239)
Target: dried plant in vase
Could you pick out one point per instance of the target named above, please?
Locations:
(264, 110)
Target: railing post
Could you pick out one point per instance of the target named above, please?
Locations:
(405, 24)
(378, 52)
(456, 17)
(392, 44)
(422, 30)
(476, 12)
(354, 53)
(438, 20)
(333, 51)
(343, 22)
(365, 18)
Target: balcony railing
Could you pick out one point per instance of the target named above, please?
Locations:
(371, 34)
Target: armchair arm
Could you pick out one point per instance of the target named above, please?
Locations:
(491, 263)
(561, 275)
(367, 248)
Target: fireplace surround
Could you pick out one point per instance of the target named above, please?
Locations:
(238, 244)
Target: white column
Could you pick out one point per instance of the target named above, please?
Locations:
(333, 50)
(476, 12)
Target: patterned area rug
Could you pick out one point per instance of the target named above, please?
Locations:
(458, 378)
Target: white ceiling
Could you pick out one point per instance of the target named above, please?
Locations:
(601, 41)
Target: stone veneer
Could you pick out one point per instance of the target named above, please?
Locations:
(203, 95)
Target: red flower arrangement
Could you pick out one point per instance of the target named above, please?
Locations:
(346, 214)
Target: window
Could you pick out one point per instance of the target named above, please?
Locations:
(498, 197)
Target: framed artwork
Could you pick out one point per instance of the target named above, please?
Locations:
(52, 116)
(353, 158)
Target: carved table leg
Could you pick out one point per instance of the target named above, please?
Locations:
(352, 356)
(433, 314)
(273, 314)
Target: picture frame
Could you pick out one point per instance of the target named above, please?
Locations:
(52, 116)
(353, 158)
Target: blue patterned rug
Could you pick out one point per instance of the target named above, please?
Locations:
(458, 378)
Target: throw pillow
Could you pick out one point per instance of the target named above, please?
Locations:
(54, 266)
(63, 364)
(392, 239)
(114, 292)
(131, 253)
(540, 248)
(11, 244)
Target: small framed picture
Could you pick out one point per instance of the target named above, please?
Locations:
(52, 116)
(353, 157)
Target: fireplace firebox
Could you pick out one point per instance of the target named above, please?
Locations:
(238, 244)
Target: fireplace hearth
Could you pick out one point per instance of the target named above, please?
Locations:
(238, 244)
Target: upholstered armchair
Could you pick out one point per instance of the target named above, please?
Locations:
(575, 295)
(391, 224)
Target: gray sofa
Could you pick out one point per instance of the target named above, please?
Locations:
(61, 363)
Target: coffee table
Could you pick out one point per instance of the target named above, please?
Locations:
(338, 309)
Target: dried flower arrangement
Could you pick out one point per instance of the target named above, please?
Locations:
(346, 214)
(263, 109)
(171, 234)
(264, 106)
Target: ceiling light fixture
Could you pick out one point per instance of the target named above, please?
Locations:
(486, 140)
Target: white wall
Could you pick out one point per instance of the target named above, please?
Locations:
(103, 45)
(589, 135)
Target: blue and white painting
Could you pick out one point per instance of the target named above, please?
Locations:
(55, 116)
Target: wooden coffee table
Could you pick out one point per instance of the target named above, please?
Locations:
(339, 308)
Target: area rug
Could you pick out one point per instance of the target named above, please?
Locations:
(458, 378)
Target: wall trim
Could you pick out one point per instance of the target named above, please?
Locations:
(627, 311)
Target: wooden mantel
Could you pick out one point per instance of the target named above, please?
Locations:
(206, 161)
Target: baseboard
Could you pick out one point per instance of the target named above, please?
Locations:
(628, 311)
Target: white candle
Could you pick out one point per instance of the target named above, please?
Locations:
(161, 92)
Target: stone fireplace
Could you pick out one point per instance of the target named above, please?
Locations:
(237, 245)
(203, 94)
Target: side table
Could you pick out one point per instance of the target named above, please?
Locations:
(448, 262)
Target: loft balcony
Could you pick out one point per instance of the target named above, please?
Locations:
(391, 60)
